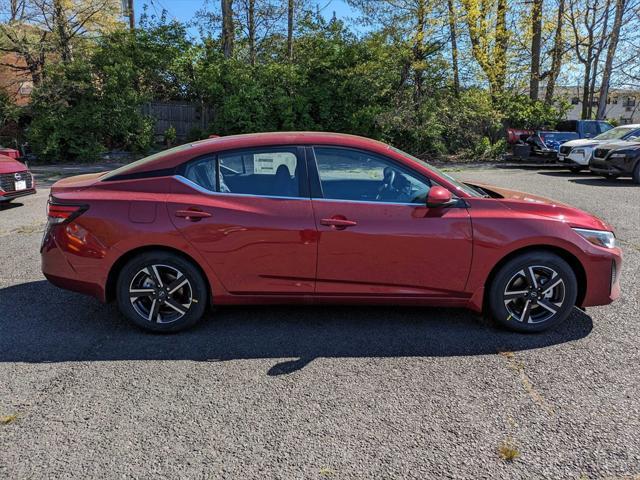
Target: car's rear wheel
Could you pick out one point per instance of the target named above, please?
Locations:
(533, 292)
(161, 292)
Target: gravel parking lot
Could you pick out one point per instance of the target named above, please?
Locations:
(328, 393)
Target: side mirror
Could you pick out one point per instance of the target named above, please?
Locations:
(439, 197)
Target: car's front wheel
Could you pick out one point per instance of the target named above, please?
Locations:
(161, 291)
(636, 173)
(533, 292)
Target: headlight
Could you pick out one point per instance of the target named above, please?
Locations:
(578, 151)
(602, 238)
(618, 155)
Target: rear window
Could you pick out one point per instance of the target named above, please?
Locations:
(567, 126)
(143, 161)
(558, 136)
(591, 129)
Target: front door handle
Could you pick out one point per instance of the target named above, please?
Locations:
(192, 214)
(339, 223)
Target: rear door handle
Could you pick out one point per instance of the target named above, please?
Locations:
(192, 214)
(338, 223)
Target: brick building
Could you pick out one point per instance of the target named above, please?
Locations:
(15, 81)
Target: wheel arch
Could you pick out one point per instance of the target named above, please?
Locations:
(116, 268)
(567, 256)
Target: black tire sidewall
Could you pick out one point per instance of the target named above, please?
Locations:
(636, 173)
(496, 302)
(194, 276)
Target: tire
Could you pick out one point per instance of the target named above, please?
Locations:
(545, 309)
(159, 309)
(636, 173)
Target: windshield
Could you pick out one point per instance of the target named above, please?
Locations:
(459, 185)
(616, 133)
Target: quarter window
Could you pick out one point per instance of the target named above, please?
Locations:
(347, 174)
(203, 172)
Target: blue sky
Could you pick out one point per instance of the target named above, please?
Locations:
(184, 10)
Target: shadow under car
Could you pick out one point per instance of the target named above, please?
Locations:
(41, 323)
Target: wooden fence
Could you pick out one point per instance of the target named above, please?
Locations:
(183, 116)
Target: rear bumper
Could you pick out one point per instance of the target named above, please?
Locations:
(6, 196)
(61, 273)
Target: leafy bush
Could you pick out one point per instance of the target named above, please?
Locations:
(337, 82)
(170, 136)
(522, 112)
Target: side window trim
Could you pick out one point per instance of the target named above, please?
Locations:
(316, 185)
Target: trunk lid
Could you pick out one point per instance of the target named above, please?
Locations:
(77, 182)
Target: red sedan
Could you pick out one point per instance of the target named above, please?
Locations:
(319, 218)
(15, 178)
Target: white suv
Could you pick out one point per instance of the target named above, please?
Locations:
(577, 153)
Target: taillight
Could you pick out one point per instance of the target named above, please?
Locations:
(59, 213)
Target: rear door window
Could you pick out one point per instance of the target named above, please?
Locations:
(270, 172)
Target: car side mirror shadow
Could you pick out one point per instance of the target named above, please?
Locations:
(439, 197)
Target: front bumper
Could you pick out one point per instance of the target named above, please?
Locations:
(602, 277)
(615, 166)
(574, 160)
(7, 196)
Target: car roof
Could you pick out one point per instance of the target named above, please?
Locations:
(173, 157)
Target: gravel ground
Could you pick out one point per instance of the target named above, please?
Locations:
(327, 393)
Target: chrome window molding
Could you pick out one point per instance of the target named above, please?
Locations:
(201, 189)
(369, 202)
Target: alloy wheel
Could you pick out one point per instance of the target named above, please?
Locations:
(160, 293)
(534, 294)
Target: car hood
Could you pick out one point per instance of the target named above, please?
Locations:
(9, 165)
(583, 142)
(546, 207)
(616, 145)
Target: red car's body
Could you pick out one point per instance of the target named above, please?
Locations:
(270, 249)
(15, 178)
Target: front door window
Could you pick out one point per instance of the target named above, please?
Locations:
(356, 175)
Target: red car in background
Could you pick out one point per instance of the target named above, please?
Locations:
(319, 218)
(15, 178)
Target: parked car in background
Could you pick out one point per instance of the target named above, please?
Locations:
(584, 128)
(323, 218)
(619, 159)
(15, 178)
(576, 154)
(546, 143)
